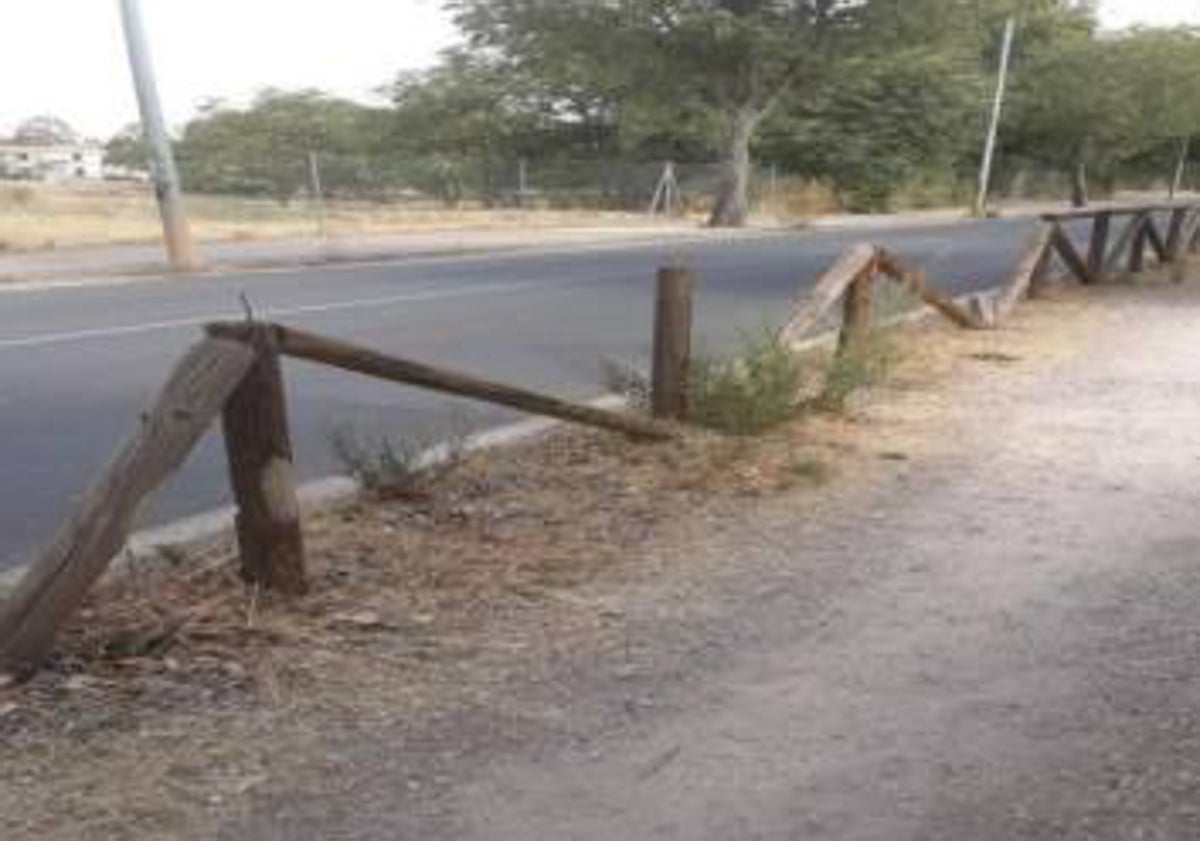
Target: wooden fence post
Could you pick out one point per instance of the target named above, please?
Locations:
(672, 343)
(259, 450)
(1066, 250)
(1098, 248)
(1175, 233)
(1137, 250)
(59, 578)
(856, 319)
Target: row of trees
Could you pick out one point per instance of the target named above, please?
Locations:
(866, 95)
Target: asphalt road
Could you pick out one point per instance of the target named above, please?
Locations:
(78, 364)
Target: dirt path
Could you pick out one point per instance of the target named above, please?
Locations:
(1020, 659)
(1001, 643)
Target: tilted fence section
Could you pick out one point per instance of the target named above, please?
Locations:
(235, 373)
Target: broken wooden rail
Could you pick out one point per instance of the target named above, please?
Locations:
(234, 373)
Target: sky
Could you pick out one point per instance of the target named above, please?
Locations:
(66, 57)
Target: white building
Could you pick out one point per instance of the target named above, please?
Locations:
(59, 162)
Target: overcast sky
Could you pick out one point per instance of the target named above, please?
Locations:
(66, 56)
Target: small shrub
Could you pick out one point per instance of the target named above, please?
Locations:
(627, 381)
(746, 392)
(396, 467)
(864, 364)
(757, 387)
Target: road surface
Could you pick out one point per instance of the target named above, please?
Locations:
(78, 364)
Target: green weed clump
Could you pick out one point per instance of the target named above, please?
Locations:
(396, 467)
(757, 387)
(865, 363)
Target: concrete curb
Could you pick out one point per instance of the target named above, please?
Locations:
(209, 527)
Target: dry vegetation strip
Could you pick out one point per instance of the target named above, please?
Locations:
(40, 217)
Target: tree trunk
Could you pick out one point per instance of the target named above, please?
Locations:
(1185, 148)
(1079, 184)
(732, 206)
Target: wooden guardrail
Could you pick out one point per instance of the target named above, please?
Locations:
(235, 373)
(851, 280)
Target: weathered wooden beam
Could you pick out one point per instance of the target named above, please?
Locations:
(1124, 242)
(348, 357)
(672, 344)
(97, 529)
(856, 313)
(1137, 250)
(919, 285)
(1155, 240)
(1066, 250)
(1098, 247)
(1175, 232)
(829, 289)
(258, 448)
(1033, 260)
(1113, 209)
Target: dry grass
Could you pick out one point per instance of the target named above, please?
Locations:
(39, 217)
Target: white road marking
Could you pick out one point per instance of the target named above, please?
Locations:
(45, 339)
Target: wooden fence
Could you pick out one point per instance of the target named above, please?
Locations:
(235, 372)
(850, 283)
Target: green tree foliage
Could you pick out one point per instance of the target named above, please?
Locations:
(866, 95)
(730, 62)
(264, 149)
(1091, 104)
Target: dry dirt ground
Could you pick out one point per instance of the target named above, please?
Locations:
(967, 610)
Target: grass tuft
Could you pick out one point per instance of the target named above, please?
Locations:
(397, 467)
(868, 362)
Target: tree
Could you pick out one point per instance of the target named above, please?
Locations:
(884, 121)
(1091, 103)
(127, 149)
(462, 115)
(45, 130)
(265, 149)
(733, 62)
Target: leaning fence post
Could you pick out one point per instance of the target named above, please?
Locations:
(259, 450)
(672, 343)
(1098, 248)
(856, 313)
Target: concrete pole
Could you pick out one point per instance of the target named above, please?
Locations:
(176, 233)
(989, 147)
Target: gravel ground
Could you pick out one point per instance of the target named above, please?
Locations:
(981, 626)
(1017, 658)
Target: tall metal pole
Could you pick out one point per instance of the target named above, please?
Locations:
(176, 233)
(989, 147)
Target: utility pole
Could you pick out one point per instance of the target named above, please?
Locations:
(989, 147)
(176, 233)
